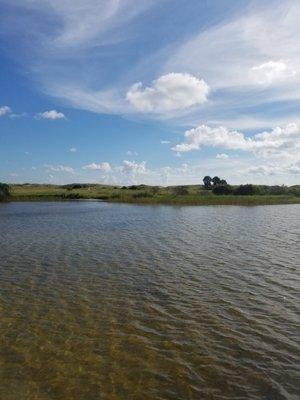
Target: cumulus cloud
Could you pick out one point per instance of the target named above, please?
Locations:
(133, 167)
(274, 141)
(222, 156)
(272, 71)
(59, 168)
(129, 172)
(274, 169)
(51, 114)
(164, 142)
(173, 91)
(73, 150)
(4, 110)
(104, 166)
(217, 137)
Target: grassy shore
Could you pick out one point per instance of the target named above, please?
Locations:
(142, 194)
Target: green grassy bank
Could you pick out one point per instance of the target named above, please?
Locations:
(178, 195)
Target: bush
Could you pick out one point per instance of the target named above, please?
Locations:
(71, 196)
(222, 189)
(294, 190)
(180, 190)
(277, 190)
(75, 186)
(141, 195)
(4, 191)
(155, 189)
(245, 190)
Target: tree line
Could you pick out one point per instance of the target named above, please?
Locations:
(220, 187)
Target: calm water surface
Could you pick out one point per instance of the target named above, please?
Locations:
(105, 301)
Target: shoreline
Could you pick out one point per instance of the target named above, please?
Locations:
(245, 201)
(191, 195)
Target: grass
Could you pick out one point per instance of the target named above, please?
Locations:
(143, 194)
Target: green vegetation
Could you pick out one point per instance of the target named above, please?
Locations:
(4, 192)
(218, 192)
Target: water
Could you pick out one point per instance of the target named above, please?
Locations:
(107, 301)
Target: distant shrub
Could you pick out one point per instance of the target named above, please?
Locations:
(245, 190)
(76, 186)
(222, 189)
(155, 189)
(113, 196)
(4, 191)
(294, 190)
(142, 194)
(180, 190)
(277, 190)
(71, 196)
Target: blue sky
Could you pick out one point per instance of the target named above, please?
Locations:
(154, 91)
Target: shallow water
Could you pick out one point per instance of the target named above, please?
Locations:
(107, 301)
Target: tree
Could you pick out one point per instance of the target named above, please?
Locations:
(4, 191)
(222, 189)
(216, 180)
(223, 182)
(207, 182)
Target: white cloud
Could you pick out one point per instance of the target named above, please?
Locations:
(278, 141)
(236, 56)
(222, 156)
(216, 137)
(164, 142)
(173, 91)
(129, 172)
(275, 168)
(131, 153)
(265, 37)
(59, 168)
(104, 166)
(73, 150)
(272, 71)
(52, 114)
(4, 110)
(133, 167)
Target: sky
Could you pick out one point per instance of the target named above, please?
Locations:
(159, 92)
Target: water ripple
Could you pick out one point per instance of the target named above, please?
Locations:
(104, 301)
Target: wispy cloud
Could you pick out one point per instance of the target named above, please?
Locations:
(59, 168)
(73, 59)
(18, 115)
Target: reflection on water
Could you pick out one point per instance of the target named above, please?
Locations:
(103, 301)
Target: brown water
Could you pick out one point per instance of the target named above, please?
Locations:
(103, 301)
